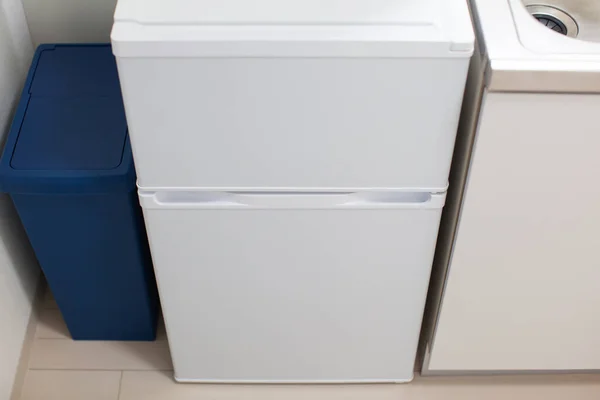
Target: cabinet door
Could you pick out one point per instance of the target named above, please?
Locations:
(523, 288)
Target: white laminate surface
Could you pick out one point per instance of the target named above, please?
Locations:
(522, 290)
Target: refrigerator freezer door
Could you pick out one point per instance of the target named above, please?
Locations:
(292, 288)
(281, 123)
(280, 94)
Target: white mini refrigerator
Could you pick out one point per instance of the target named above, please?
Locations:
(292, 160)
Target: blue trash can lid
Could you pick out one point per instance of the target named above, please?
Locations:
(69, 134)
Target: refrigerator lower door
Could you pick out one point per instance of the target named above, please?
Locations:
(296, 287)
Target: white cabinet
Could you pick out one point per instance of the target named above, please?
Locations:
(523, 288)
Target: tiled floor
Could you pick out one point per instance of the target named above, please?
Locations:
(61, 369)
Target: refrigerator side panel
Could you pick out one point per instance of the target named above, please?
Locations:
(465, 139)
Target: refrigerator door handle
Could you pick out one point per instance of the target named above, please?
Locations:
(390, 198)
(299, 200)
(291, 199)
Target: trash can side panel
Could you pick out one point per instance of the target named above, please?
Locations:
(93, 253)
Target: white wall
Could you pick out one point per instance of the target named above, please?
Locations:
(19, 272)
(67, 21)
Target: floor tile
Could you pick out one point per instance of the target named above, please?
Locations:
(71, 385)
(92, 355)
(51, 325)
(160, 386)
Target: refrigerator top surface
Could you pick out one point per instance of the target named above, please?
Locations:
(445, 23)
(258, 12)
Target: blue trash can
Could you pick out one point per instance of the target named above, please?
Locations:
(68, 168)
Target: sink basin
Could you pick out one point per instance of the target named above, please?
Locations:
(573, 18)
(580, 18)
(522, 55)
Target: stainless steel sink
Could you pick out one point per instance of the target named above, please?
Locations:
(574, 18)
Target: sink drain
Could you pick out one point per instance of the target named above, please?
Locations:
(552, 23)
(555, 19)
